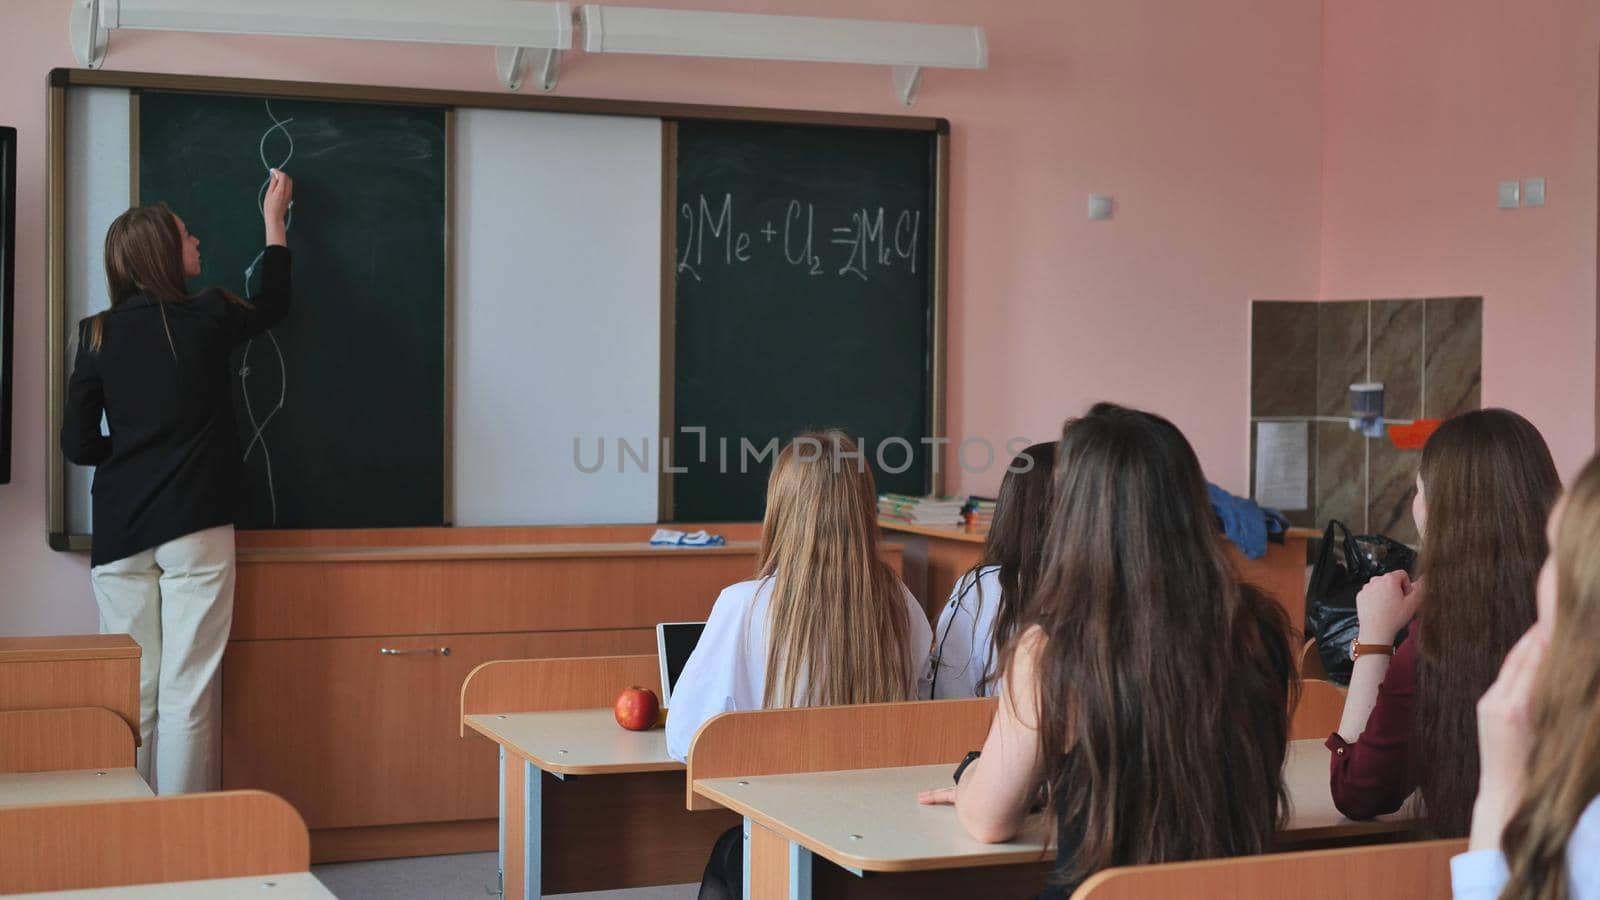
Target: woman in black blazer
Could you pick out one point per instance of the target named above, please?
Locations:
(155, 365)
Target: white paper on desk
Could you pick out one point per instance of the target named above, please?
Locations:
(1283, 464)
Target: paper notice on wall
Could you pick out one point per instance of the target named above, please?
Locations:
(1283, 464)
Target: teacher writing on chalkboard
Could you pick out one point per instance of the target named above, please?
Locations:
(156, 366)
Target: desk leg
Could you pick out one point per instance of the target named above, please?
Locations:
(774, 868)
(500, 854)
(532, 832)
(522, 837)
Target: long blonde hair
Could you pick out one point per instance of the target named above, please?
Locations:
(838, 617)
(1563, 773)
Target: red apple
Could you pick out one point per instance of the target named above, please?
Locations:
(637, 709)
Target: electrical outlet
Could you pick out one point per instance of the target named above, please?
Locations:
(1533, 192)
(1510, 194)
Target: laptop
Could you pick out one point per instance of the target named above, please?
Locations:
(674, 642)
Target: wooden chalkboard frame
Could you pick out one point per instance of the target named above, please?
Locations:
(62, 79)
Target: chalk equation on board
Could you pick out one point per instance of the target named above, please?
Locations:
(867, 241)
(258, 427)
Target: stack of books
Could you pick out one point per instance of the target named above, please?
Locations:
(921, 510)
(980, 512)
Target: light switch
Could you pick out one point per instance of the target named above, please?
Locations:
(1533, 192)
(1100, 206)
(1510, 194)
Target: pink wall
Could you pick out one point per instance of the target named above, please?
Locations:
(1429, 103)
(1202, 119)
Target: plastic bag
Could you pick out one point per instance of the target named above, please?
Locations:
(1344, 565)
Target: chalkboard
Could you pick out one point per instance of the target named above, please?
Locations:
(341, 408)
(804, 299)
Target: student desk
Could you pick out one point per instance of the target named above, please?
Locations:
(869, 821)
(936, 556)
(671, 846)
(75, 786)
(71, 670)
(296, 886)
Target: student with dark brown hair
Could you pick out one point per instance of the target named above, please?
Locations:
(1539, 732)
(988, 605)
(166, 483)
(1151, 699)
(1484, 490)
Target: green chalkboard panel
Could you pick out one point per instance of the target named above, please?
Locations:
(341, 408)
(804, 299)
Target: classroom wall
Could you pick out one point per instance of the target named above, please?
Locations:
(1428, 104)
(1204, 121)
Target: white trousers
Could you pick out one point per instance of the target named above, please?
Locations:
(176, 600)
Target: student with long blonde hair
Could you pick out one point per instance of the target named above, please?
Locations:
(1539, 731)
(824, 622)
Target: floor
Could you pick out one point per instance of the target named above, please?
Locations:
(469, 876)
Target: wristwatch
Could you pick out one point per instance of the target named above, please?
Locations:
(966, 761)
(1358, 649)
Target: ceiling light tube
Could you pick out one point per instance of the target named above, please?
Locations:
(673, 32)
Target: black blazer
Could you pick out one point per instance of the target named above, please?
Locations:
(171, 465)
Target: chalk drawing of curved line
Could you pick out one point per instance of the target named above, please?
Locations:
(283, 392)
(259, 427)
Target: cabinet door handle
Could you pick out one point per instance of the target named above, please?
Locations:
(391, 651)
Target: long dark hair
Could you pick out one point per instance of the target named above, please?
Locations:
(1165, 681)
(1016, 545)
(1488, 483)
(1563, 771)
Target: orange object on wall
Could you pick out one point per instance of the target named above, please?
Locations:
(1413, 436)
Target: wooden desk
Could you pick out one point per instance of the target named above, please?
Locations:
(75, 786)
(672, 847)
(869, 821)
(295, 886)
(937, 556)
(71, 670)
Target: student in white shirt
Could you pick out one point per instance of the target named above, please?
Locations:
(825, 622)
(1539, 732)
(988, 603)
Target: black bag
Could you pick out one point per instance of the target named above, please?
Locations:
(1343, 566)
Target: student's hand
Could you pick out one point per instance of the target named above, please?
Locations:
(938, 797)
(1385, 605)
(1505, 735)
(275, 206)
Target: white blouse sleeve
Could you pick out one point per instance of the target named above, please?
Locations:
(1482, 874)
(708, 684)
(955, 671)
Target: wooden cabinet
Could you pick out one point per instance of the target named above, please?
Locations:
(354, 736)
(366, 744)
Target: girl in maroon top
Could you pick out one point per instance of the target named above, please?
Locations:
(1484, 490)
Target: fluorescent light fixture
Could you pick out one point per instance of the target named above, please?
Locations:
(907, 46)
(674, 32)
(491, 23)
(510, 26)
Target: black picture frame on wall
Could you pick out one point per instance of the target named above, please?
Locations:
(8, 256)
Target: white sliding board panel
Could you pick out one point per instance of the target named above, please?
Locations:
(557, 316)
(97, 191)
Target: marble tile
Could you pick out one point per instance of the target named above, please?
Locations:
(1341, 358)
(1392, 475)
(1283, 352)
(1300, 518)
(1341, 476)
(1453, 374)
(1397, 356)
